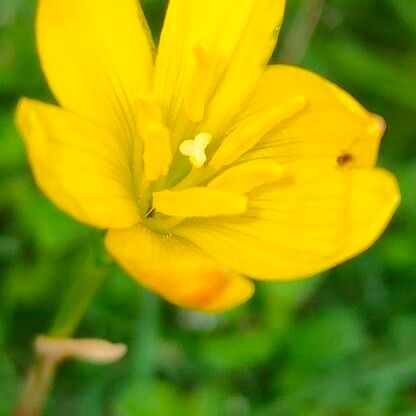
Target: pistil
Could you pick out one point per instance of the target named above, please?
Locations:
(196, 149)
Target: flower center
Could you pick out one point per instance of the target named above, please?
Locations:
(195, 149)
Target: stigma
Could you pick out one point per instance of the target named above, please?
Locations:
(195, 149)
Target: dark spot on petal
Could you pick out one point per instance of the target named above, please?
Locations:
(345, 159)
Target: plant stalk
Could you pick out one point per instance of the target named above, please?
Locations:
(36, 388)
(41, 373)
(301, 32)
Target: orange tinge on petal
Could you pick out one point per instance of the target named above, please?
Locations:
(177, 271)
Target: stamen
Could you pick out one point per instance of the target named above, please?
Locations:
(199, 202)
(195, 149)
(149, 111)
(248, 176)
(157, 154)
(248, 132)
(200, 80)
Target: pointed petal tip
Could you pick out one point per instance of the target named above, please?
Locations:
(21, 112)
(28, 121)
(377, 126)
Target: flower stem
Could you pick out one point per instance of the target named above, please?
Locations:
(144, 348)
(76, 302)
(301, 32)
(36, 388)
(42, 371)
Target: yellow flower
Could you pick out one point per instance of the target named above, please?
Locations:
(204, 164)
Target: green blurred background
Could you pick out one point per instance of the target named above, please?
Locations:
(343, 344)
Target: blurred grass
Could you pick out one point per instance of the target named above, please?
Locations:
(341, 345)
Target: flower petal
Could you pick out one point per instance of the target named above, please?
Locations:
(333, 127)
(307, 223)
(220, 52)
(79, 165)
(177, 271)
(97, 56)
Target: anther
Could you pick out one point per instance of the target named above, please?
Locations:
(157, 154)
(195, 149)
(199, 83)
